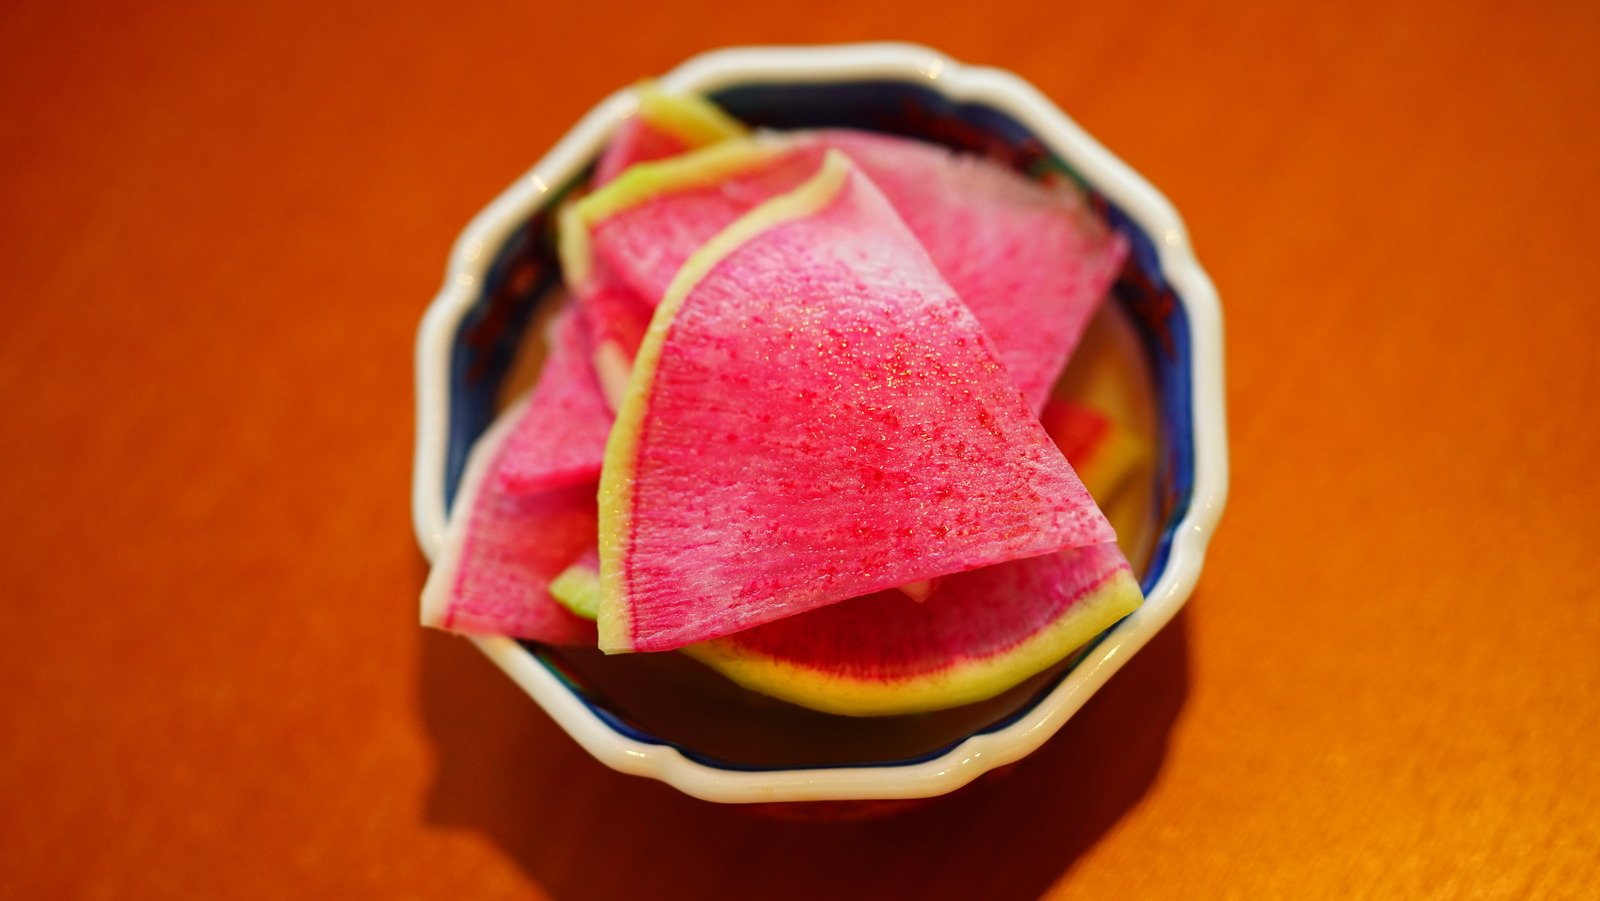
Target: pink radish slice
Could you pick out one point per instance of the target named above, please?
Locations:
(982, 632)
(560, 438)
(502, 549)
(815, 415)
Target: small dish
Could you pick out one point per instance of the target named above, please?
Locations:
(501, 271)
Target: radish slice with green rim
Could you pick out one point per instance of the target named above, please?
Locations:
(814, 415)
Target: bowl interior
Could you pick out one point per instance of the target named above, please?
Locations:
(1144, 335)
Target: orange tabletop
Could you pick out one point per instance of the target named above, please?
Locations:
(220, 223)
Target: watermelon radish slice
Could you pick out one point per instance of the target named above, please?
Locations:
(502, 549)
(885, 654)
(981, 633)
(646, 223)
(560, 438)
(636, 141)
(618, 318)
(1031, 261)
(617, 315)
(577, 588)
(618, 309)
(1103, 452)
(814, 415)
(664, 125)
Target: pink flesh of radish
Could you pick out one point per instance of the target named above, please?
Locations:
(636, 141)
(1032, 262)
(975, 615)
(827, 419)
(502, 550)
(560, 438)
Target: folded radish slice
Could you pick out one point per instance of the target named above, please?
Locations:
(664, 125)
(560, 436)
(815, 415)
(1031, 261)
(502, 549)
(980, 633)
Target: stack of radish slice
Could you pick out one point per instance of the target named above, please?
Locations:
(803, 376)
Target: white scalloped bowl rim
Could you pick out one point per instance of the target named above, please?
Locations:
(978, 753)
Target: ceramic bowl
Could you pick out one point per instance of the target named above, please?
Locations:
(501, 270)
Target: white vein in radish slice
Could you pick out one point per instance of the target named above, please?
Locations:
(1031, 261)
(503, 547)
(981, 633)
(560, 436)
(815, 415)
